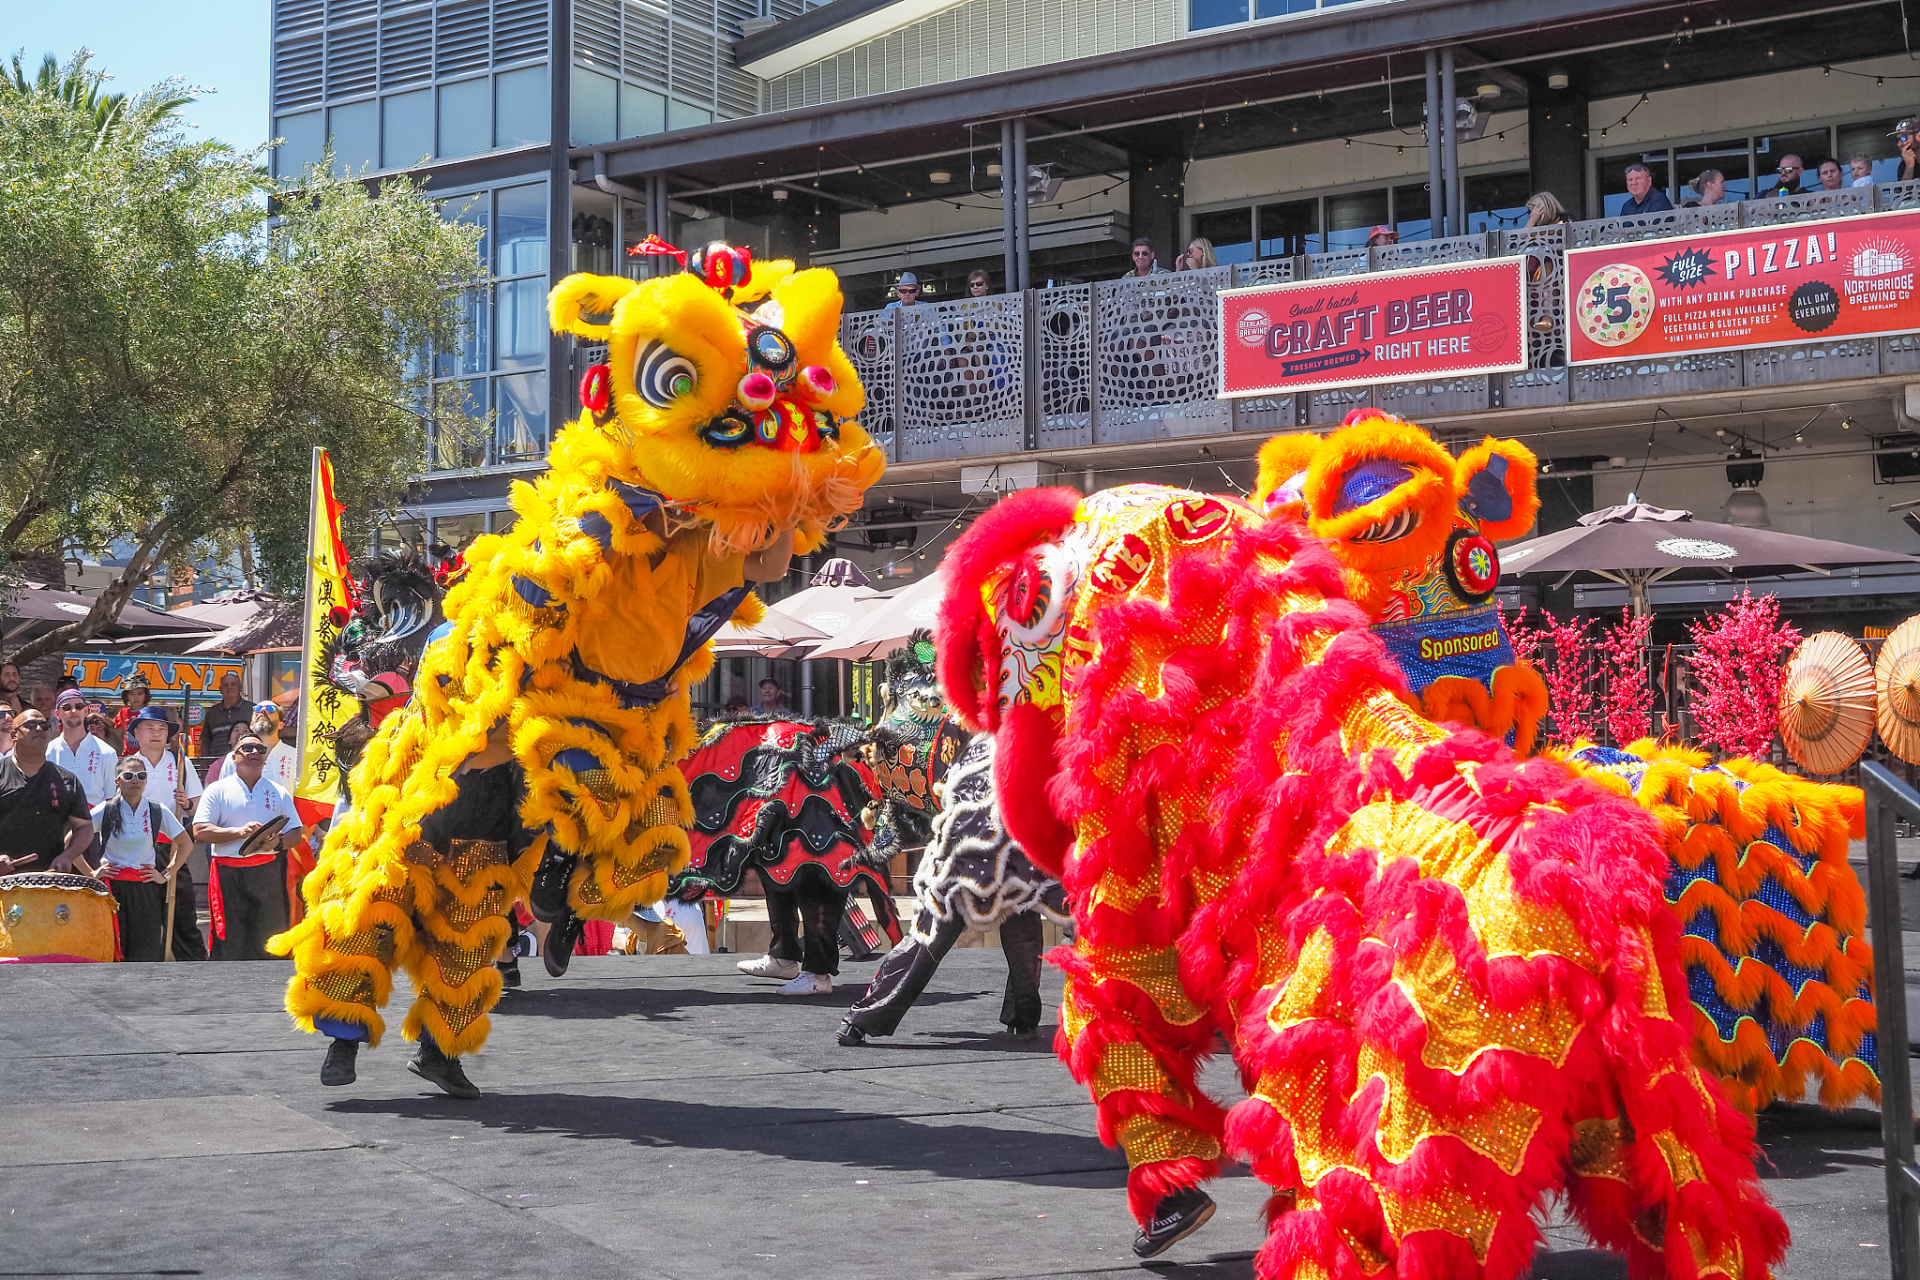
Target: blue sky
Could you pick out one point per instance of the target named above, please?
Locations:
(219, 45)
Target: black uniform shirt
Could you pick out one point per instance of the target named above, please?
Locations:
(34, 811)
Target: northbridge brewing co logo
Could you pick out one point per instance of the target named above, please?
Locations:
(1338, 332)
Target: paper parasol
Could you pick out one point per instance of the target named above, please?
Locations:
(1826, 703)
(1897, 680)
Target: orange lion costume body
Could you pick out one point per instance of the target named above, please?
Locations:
(1446, 974)
(1777, 969)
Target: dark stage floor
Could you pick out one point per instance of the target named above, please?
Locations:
(662, 1118)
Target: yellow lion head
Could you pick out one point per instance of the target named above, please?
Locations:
(726, 391)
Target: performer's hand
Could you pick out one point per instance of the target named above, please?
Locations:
(179, 799)
(247, 831)
(153, 875)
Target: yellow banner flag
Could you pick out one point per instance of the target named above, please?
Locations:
(324, 707)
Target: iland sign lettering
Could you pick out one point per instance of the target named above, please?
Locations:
(170, 679)
(1390, 326)
(1725, 290)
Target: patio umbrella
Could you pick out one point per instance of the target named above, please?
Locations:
(1639, 545)
(1896, 678)
(838, 596)
(888, 627)
(1826, 703)
(39, 608)
(778, 635)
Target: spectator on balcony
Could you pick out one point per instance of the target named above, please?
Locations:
(1382, 235)
(906, 291)
(1145, 261)
(1641, 195)
(979, 283)
(1861, 166)
(1830, 179)
(1906, 136)
(1198, 257)
(1791, 171)
(1709, 187)
(1545, 210)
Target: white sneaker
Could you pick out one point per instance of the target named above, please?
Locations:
(768, 967)
(808, 984)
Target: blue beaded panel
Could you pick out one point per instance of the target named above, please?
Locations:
(1370, 481)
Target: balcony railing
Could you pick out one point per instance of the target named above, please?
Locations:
(1138, 358)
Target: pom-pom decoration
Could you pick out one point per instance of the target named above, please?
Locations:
(596, 388)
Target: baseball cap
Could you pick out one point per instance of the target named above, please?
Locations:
(1382, 230)
(909, 279)
(1908, 124)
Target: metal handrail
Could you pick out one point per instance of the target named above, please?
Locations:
(1890, 800)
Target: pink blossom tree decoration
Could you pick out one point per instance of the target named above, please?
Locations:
(1738, 670)
(1629, 703)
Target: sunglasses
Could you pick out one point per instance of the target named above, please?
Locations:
(250, 751)
(133, 777)
(30, 726)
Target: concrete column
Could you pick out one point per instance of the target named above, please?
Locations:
(1557, 142)
(1010, 190)
(560, 389)
(1450, 148)
(1022, 211)
(1436, 182)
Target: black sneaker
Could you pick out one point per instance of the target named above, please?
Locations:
(509, 972)
(338, 1068)
(1024, 1033)
(1174, 1219)
(547, 896)
(851, 1036)
(561, 940)
(437, 1068)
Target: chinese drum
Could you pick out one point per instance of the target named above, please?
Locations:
(49, 916)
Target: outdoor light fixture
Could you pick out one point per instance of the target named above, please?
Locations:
(1846, 423)
(780, 194)
(939, 177)
(1487, 90)
(1745, 506)
(993, 171)
(1558, 80)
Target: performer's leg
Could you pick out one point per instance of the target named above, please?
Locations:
(463, 898)
(821, 907)
(903, 974)
(1021, 941)
(266, 910)
(143, 920)
(783, 922)
(188, 944)
(343, 972)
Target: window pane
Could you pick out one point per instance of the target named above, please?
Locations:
(356, 136)
(461, 440)
(1613, 179)
(1289, 229)
(458, 531)
(1352, 216)
(1230, 230)
(594, 100)
(468, 352)
(1216, 13)
(1871, 141)
(1809, 144)
(470, 211)
(521, 224)
(642, 111)
(592, 231)
(466, 118)
(521, 427)
(520, 107)
(520, 324)
(1411, 207)
(304, 142)
(406, 129)
(1497, 201)
(1728, 156)
(401, 537)
(682, 116)
(501, 521)
(1278, 8)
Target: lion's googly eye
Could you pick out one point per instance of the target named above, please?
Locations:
(662, 375)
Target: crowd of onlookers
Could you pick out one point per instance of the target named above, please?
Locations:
(117, 796)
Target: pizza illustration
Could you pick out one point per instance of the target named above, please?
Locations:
(1615, 305)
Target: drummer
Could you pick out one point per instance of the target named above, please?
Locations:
(247, 887)
(142, 843)
(44, 824)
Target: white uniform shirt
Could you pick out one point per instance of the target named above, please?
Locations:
(228, 803)
(164, 777)
(92, 762)
(133, 847)
(283, 765)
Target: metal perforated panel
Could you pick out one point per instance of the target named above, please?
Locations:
(1544, 381)
(867, 338)
(1064, 316)
(1158, 356)
(1808, 205)
(1652, 226)
(962, 378)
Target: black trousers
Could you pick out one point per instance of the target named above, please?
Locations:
(143, 919)
(804, 918)
(188, 944)
(254, 902)
(907, 969)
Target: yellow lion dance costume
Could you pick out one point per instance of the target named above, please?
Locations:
(1777, 968)
(727, 442)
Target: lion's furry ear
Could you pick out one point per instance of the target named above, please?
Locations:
(761, 283)
(583, 295)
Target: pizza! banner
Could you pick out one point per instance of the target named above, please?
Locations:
(1727, 290)
(1388, 326)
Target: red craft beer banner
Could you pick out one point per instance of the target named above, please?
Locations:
(1725, 290)
(1389, 326)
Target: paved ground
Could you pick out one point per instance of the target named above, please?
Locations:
(661, 1117)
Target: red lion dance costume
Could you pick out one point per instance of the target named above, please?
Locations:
(1447, 975)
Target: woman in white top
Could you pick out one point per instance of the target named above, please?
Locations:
(132, 830)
